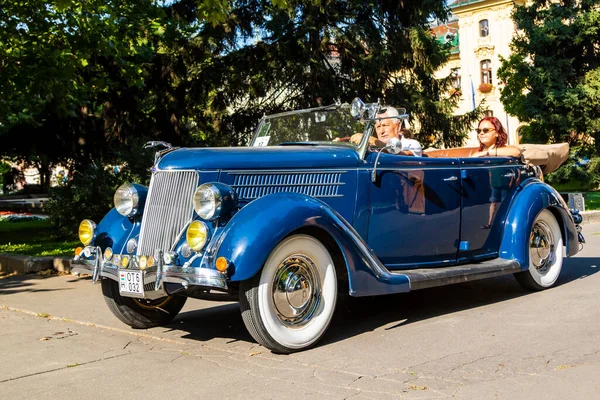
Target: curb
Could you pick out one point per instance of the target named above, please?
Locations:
(20, 264)
(590, 217)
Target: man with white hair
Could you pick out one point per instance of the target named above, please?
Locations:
(389, 127)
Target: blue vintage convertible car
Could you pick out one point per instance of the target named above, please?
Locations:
(298, 217)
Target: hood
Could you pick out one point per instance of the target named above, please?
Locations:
(330, 156)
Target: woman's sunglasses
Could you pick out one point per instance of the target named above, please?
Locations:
(484, 130)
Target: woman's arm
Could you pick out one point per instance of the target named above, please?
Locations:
(506, 151)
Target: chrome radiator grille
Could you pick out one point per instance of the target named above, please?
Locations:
(168, 209)
(316, 184)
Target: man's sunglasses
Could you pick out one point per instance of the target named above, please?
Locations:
(484, 130)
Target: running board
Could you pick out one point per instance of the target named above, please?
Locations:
(424, 278)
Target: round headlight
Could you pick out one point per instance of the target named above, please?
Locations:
(87, 231)
(126, 200)
(212, 200)
(196, 235)
(207, 201)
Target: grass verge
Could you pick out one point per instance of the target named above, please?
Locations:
(592, 201)
(33, 238)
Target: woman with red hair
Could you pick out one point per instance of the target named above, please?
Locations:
(492, 140)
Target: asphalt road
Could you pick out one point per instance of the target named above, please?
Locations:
(487, 339)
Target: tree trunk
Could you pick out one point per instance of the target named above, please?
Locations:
(44, 168)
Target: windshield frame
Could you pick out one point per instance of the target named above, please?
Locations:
(361, 148)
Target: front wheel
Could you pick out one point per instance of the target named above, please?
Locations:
(545, 253)
(288, 306)
(141, 313)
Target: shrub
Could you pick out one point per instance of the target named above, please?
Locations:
(584, 177)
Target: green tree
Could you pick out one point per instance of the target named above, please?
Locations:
(275, 59)
(73, 76)
(553, 74)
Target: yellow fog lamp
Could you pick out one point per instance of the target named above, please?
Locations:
(108, 253)
(87, 231)
(196, 235)
(151, 261)
(124, 261)
(142, 262)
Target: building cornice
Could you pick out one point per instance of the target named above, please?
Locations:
(469, 6)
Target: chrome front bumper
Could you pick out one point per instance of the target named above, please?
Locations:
(154, 277)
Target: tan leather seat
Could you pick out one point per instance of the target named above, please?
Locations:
(456, 152)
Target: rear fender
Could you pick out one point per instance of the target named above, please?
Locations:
(533, 196)
(255, 230)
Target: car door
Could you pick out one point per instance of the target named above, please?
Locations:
(414, 211)
(488, 185)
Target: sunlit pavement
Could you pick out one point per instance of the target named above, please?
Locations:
(484, 339)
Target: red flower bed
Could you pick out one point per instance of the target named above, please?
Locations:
(13, 216)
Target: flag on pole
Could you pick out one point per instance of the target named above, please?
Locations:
(472, 92)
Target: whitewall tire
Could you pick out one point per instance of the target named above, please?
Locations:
(545, 253)
(288, 306)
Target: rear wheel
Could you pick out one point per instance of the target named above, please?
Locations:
(141, 313)
(545, 253)
(288, 306)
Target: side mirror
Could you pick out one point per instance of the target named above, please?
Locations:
(393, 146)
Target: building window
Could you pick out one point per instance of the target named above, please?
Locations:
(484, 28)
(455, 78)
(486, 71)
(489, 113)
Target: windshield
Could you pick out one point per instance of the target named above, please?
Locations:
(317, 126)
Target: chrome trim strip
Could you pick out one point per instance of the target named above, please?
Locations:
(412, 167)
(156, 169)
(488, 166)
(284, 171)
(290, 184)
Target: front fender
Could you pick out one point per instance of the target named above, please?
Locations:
(532, 197)
(114, 230)
(255, 230)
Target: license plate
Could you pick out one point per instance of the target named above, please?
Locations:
(131, 282)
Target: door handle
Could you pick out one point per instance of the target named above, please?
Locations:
(452, 178)
(509, 175)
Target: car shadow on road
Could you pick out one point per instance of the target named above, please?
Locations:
(361, 315)
(219, 321)
(355, 316)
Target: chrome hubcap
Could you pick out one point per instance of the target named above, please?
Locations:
(296, 290)
(541, 246)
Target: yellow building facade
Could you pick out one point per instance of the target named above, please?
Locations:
(484, 29)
